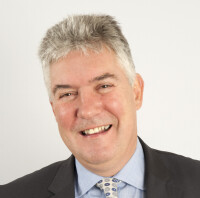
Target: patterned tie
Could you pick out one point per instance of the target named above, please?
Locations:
(109, 186)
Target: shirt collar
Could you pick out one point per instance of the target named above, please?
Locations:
(85, 179)
(132, 173)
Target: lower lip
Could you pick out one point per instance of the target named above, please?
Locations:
(96, 134)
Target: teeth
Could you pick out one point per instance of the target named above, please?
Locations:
(106, 127)
(96, 130)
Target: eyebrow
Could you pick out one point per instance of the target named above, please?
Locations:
(103, 76)
(57, 87)
(95, 79)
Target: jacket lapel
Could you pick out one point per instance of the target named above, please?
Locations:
(63, 183)
(158, 179)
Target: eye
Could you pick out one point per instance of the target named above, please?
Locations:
(68, 95)
(65, 95)
(104, 88)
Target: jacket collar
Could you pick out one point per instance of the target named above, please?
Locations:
(158, 178)
(63, 183)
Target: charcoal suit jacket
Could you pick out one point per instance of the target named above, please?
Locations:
(167, 175)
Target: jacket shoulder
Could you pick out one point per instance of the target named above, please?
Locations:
(34, 185)
(173, 173)
(184, 170)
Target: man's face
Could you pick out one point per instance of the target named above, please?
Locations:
(95, 107)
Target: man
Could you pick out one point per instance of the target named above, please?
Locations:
(95, 93)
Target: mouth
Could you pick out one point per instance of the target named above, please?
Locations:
(96, 130)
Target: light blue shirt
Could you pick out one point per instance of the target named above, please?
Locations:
(131, 176)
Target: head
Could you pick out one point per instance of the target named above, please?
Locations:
(94, 91)
(83, 32)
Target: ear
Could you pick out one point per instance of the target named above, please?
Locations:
(138, 91)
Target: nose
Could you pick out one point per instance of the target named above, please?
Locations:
(90, 104)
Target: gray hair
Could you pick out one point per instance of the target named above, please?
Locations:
(83, 32)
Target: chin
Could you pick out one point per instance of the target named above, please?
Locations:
(98, 158)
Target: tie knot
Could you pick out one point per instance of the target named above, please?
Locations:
(109, 186)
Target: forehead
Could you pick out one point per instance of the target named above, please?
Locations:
(78, 67)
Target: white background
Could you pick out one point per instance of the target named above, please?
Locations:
(164, 37)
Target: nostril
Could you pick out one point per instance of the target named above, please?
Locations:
(87, 112)
(83, 113)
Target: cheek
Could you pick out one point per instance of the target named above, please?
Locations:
(64, 115)
(121, 105)
(114, 105)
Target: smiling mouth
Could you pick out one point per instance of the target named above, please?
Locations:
(96, 130)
